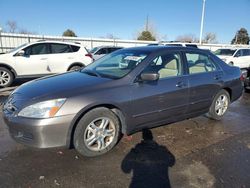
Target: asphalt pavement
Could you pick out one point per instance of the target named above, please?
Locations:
(198, 152)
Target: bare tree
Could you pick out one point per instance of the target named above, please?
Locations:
(210, 38)
(12, 26)
(111, 36)
(187, 38)
(25, 31)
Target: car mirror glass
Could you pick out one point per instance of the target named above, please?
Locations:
(149, 76)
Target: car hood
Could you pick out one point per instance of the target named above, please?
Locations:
(62, 85)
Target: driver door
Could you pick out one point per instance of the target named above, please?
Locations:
(34, 61)
(165, 99)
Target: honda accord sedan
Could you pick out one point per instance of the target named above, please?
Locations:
(122, 93)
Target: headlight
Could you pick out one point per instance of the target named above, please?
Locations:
(46, 109)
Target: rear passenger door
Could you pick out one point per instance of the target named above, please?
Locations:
(205, 78)
(61, 57)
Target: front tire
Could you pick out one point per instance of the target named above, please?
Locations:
(97, 132)
(219, 105)
(6, 77)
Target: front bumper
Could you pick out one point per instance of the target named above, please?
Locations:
(40, 133)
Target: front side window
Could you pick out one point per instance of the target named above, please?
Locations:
(116, 65)
(199, 63)
(101, 51)
(60, 48)
(36, 49)
(167, 65)
(238, 53)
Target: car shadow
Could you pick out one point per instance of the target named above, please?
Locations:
(149, 163)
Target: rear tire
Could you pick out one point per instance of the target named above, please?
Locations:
(75, 67)
(6, 77)
(219, 105)
(97, 132)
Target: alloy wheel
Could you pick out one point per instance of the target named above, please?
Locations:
(99, 134)
(221, 105)
(4, 78)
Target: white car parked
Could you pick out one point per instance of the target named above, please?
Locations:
(42, 58)
(236, 57)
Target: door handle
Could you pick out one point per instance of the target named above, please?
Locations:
(44, 58)
(181, 85)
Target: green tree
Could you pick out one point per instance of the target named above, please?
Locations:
(69, 33)
(241, 37)
(146, 35)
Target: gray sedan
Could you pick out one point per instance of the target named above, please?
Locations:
(124, 92)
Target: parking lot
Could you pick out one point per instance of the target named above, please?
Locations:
(197, 152)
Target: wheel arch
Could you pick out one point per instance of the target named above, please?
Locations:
(75, 64)
(229, 90)
(9, 68)
(113, 108)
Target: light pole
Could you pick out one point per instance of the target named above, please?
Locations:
(1, 39)
(202, 20)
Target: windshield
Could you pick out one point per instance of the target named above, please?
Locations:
(17, 48)
(116, 65)
(228, 52)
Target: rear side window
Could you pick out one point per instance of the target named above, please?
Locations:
(75, 48)
(60, 48)
(198, 63)
(36, 49)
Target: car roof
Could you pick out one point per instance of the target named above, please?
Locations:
(160, 48)
(233, 48)
(108, 47)
(55, 41)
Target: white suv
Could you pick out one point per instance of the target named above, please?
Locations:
(42, 58)
(236, 57)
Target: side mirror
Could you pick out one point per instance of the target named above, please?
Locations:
(20, 53)
(150, 76)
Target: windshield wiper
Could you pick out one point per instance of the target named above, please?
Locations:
(90, 72)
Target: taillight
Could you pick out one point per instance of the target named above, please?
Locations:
(243, 75)
(89, 55)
